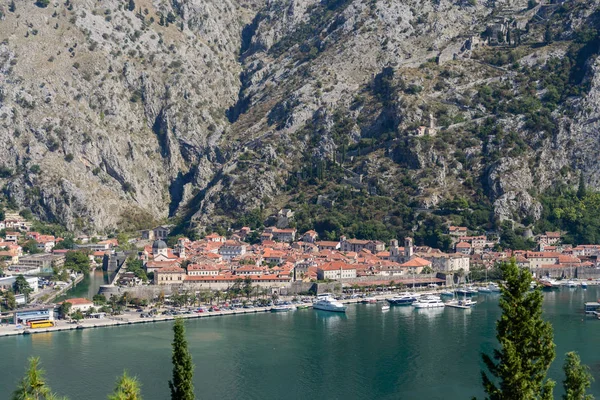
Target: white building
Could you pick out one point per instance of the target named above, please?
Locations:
(336, 270)
(232, 249)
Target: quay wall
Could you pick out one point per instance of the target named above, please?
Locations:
(141, 292)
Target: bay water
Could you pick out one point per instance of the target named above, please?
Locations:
(305, 354)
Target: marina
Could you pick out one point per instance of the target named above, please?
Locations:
(258, 354)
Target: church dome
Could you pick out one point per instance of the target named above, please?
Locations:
(159, 244)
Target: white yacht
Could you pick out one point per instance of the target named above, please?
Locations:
(571, 284)
(428, 302)
(326, 302)
(465, 304)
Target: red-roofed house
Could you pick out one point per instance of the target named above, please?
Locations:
(328, 245)
(463, 248)
(202, 270)
(416, 264)
(169, 275)
(336, 270)
(232, 248)
(457, 231)
(79, 304)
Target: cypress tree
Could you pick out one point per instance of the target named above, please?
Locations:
(581, 188)
(548, 34)
(127, 388)
(577, 378)
(518, 370)
(182, 387)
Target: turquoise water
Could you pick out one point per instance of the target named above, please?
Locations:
(88, 287)
(305, 354)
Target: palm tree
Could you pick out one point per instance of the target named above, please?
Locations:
(218, 295)
(256, 290)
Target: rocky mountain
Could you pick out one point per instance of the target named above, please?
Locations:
(117, 114)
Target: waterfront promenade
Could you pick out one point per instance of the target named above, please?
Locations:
(131, 318)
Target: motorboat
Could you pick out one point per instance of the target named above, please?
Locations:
(464, 303)
(385, 307)
(428, 302)
(372, 301)
(584, 285)
(447, 293)
(326, 302)
(571, 284)
(403, 300)
(549, 284)
(484, 289)
(465, 292)
(494, 287)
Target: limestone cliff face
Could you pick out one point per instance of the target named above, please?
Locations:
(106, 112)
(111, 117)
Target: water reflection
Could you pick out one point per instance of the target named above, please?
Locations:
(330, 319)
(44, 338)
(430, 313)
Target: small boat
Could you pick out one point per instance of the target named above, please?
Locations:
(282, 308)
(326, 302)
(549, 284)
(484, 289)
(584, 285)
(303, 307)
(365, 301)
(428, 302)
(571, 284)
(372, 301)
(385, 307)
(471, 290)
(447, 293)
(465, 292)
(494, 287)
(464, 304)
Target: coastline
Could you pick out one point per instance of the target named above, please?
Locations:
(135, 319)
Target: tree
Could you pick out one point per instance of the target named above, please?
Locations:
(33, 386)
(577, 378)
(42, 3)
(12, 7)
(65, 309)
(427, 270)
(77, 315)
(77, 261)
(581, 188)
(527, 349)
(548, 34)
(182, 387)
(247, 288)
(99, 299)
(21, 286)
(31, 247)
(10, 300)
(131, 5)
(128, 388)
